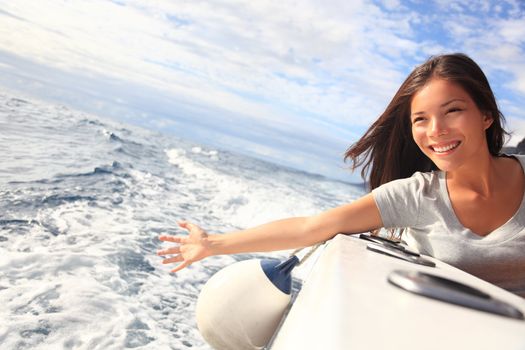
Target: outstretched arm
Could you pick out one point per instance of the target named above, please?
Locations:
(358, 216)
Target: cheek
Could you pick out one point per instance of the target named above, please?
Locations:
(417, 135)
(471, 125)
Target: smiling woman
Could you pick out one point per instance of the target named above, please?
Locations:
(437, 177)
(446, 117)
(455, 196)
(436, 172)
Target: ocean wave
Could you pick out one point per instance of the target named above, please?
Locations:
(79, 226)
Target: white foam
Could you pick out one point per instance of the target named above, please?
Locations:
(178, 157)
(82, 273)
(241, 201)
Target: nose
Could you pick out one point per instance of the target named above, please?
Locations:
(437, 127)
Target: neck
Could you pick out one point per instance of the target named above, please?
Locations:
(481, 175)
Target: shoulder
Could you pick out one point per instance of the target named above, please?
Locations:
(418, 182)
(512, 166)
(520, 158)
(409, 193)
(400, 201)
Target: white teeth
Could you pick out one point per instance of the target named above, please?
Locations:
(445, 148)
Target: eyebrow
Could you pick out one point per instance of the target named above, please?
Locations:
(442, 105)
(451, 101)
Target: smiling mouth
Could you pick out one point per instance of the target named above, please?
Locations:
(445, 148)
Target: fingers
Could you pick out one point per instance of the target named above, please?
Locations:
(189, 226)
(184, 224)
(181, 240)
(180, 267)
(174, 239)
(169, 251)
(177, 258)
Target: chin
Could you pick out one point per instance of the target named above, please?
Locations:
(442, 164)
(444, 167)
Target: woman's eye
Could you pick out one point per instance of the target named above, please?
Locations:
(417, 120)
(454, 109)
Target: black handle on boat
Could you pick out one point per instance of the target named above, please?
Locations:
(454, 292)
(400, 254)
(389, 243)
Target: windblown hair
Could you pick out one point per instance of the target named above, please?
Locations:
(387, 150)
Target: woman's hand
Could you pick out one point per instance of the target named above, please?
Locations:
(191, 248)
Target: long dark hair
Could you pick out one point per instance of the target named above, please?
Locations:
(387, 150)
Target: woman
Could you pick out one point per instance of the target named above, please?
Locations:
(436, 172)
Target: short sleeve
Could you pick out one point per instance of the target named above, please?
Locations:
(399, 201)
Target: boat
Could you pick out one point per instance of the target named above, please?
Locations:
(368, 295)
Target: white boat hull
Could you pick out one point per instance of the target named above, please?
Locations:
(347, 303)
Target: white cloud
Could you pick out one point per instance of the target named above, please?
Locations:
(216, 52)
(327, 67)
(515, 121)
(517, 131)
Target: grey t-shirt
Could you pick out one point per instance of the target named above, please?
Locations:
(421, 204)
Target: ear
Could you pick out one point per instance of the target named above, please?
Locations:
(487, 120)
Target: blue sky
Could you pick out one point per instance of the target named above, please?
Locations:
(294, 82)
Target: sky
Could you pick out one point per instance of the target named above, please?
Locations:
(292, 82)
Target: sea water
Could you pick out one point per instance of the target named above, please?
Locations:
(82, 202)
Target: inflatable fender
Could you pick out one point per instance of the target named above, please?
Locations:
(241, 306)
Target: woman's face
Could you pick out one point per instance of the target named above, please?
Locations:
(447, 125)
